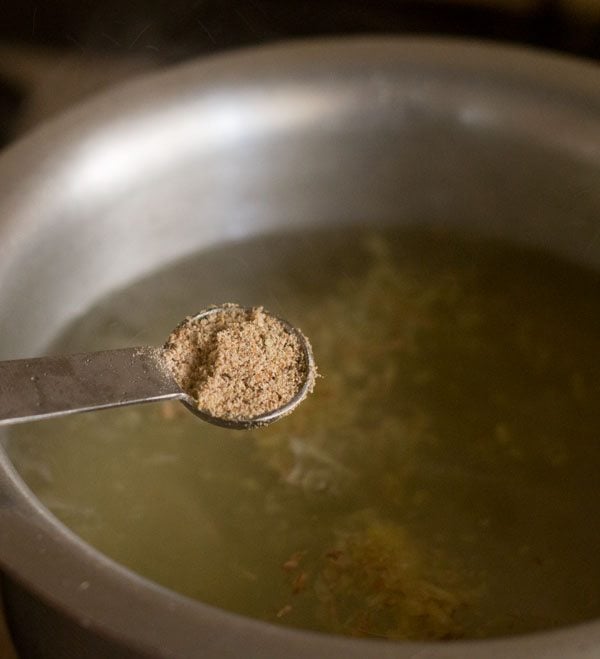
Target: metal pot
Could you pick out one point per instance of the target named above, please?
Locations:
(500, 142)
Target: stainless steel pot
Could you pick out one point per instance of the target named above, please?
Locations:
(501, 142)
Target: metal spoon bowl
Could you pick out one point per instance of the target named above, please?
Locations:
(48, 387)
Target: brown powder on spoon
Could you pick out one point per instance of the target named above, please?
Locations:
(237, 363)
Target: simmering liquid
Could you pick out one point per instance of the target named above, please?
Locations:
(441, 482)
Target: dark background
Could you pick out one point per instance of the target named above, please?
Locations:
(180, 28)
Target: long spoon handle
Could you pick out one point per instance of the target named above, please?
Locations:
(47, 387)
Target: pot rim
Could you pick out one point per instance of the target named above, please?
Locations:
(39, 552)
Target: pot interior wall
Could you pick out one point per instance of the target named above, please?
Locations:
(139, 189)
(55, 634)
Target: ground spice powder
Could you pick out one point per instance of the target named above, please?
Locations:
(237, 363)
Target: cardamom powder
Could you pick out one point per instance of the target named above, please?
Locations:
(237, 363)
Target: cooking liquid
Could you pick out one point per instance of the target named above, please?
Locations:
(441, 482)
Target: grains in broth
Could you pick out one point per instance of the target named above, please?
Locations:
(440, 483)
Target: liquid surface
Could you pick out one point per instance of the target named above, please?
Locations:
(440, 483)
